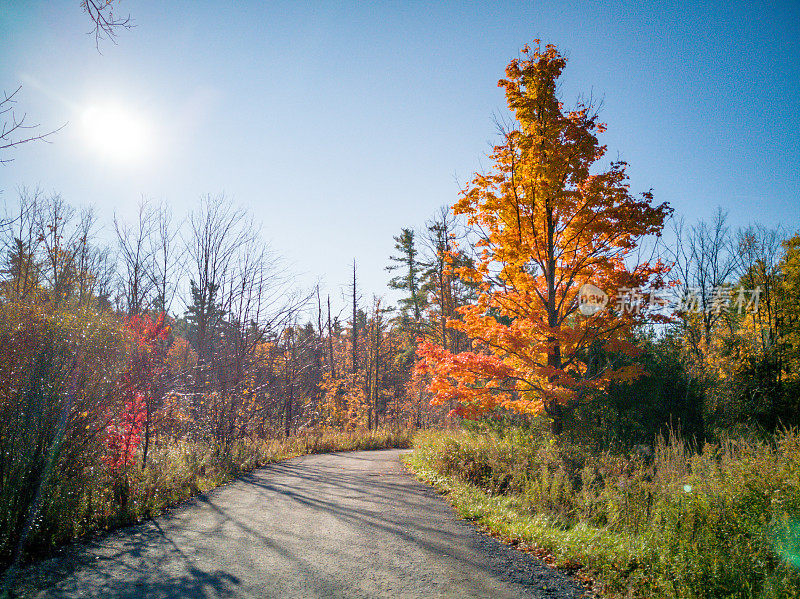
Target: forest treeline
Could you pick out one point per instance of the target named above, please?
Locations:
(548, 297)
(247, 353)
(191, 331)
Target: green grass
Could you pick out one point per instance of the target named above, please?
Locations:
(721, 522)
(572, 548)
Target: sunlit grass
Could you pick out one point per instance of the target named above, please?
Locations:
(722, 522)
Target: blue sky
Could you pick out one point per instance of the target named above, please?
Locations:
(339, 123)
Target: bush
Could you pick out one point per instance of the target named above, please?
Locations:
(57, 373)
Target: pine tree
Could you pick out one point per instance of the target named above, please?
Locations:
(406, 261)
(204, 320)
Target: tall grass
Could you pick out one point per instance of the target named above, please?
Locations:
(718, 521)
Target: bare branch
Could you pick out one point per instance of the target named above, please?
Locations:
(13, 128)
(106, 23)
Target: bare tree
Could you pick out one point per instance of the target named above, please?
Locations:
(758, 258)
(103, 267)
(135, 258)
(375, 360)
(58, 233)
(354, 340)
(217, 233)
(89, 259)
(166, 265)
(331, 357)
(704, 262)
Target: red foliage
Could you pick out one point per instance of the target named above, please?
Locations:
(148, 332)
(145, 365)
(123, 437)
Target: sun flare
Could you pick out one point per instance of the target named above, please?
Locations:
(116, 132)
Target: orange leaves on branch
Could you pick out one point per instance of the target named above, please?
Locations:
(550, 217)
(344, 403)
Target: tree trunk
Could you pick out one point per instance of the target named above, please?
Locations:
(146, 432)
(330, 341)
(355, 322)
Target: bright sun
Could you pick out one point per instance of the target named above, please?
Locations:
(116, 133)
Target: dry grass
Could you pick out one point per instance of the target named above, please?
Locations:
(98, 499)
(723, 521)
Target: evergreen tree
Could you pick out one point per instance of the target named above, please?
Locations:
(204, 320)
(408, 280)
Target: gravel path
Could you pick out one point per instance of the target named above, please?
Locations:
(353, 524)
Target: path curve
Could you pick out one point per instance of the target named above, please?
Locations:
(353, 524)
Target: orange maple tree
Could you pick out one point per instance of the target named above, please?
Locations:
(549, 218)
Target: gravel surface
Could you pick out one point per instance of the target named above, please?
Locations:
(353, 524)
